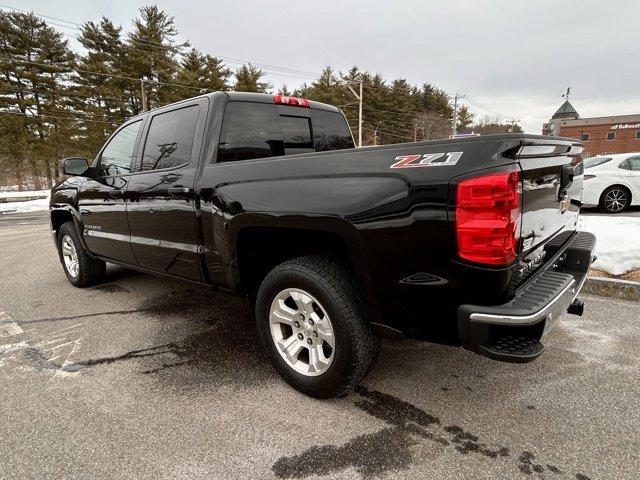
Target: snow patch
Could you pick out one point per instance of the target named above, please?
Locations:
(617, 242)
(26, 206)
(26, 193)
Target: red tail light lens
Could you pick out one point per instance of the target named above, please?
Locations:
(294, 101)
(488, 210)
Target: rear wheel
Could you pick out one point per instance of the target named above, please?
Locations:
(312, 324)
(615, 199)
(81, 270)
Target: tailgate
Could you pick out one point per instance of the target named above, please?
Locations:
(551, 194)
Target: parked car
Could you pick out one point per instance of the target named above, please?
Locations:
(612, 182)
(470, 241)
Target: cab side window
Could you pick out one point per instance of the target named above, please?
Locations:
(249, 131)
(116, 157)
(170, 139)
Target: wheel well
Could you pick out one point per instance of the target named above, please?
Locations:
(624, 187)
(58, 217)
(260, 249)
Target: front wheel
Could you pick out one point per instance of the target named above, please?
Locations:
(311, 322)
(81, 270)
(615, 199)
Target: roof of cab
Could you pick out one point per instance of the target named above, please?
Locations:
(268, 98)
(239, 97)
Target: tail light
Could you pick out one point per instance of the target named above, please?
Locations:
(588, 177)
(488, 211)
(293, 101)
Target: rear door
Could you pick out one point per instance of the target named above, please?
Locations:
(101, 199)
(160, 197)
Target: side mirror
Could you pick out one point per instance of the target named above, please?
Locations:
(74, 166)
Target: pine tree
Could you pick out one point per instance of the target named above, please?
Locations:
(248, 80)
(35, 68)
(207, 73)
(104, 99)
(154, 55)
(283, 90)
(465, 118)
(327, 88)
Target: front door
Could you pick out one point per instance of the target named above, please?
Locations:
(101, 199)
(160, 195)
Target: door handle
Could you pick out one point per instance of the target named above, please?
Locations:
(116, 193)
(179, 190)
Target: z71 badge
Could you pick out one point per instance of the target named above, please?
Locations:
(427, 160)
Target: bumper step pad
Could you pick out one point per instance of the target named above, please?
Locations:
(513, 349)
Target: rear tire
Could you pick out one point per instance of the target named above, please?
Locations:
(320, 341)
(615, 199)
(81, 270)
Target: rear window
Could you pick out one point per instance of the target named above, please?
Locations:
(259, 130)
(595, 161)
(330, 131)
(296, 133)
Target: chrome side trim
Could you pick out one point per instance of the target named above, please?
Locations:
(153, 242)
(526, 319)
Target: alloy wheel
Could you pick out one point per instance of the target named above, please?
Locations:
(70, 256)
(615, 200)
(302, 332)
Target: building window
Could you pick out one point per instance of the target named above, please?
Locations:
(611, 136)
(638, 135)
(584, 137)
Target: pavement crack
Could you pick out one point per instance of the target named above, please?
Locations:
(168, 348)
(73, 317)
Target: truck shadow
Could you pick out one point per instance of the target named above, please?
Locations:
(205, 336)
(214, 334)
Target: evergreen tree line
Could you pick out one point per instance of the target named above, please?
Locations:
(56, 103)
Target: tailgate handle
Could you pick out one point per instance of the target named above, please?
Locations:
(566, 179)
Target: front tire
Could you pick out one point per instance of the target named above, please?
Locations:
(81, 270)
(312, 324)
(615, 199)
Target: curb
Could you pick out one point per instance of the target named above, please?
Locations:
(612, 288)
(21, 199)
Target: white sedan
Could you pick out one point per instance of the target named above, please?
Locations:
(612, 182)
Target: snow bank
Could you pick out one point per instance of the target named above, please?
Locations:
(617, 242)
(41, 204)
(27, 193)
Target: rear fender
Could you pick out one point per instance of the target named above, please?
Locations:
(339, 227)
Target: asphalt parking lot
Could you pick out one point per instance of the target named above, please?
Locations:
(144, 377)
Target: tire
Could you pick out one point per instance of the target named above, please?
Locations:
(326, 292)
(615, 199)
(86, 271)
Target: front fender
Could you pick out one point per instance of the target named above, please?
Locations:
(64, 199)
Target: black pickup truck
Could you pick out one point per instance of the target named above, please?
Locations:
(469, 242)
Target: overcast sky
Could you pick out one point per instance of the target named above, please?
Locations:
(515, 58)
